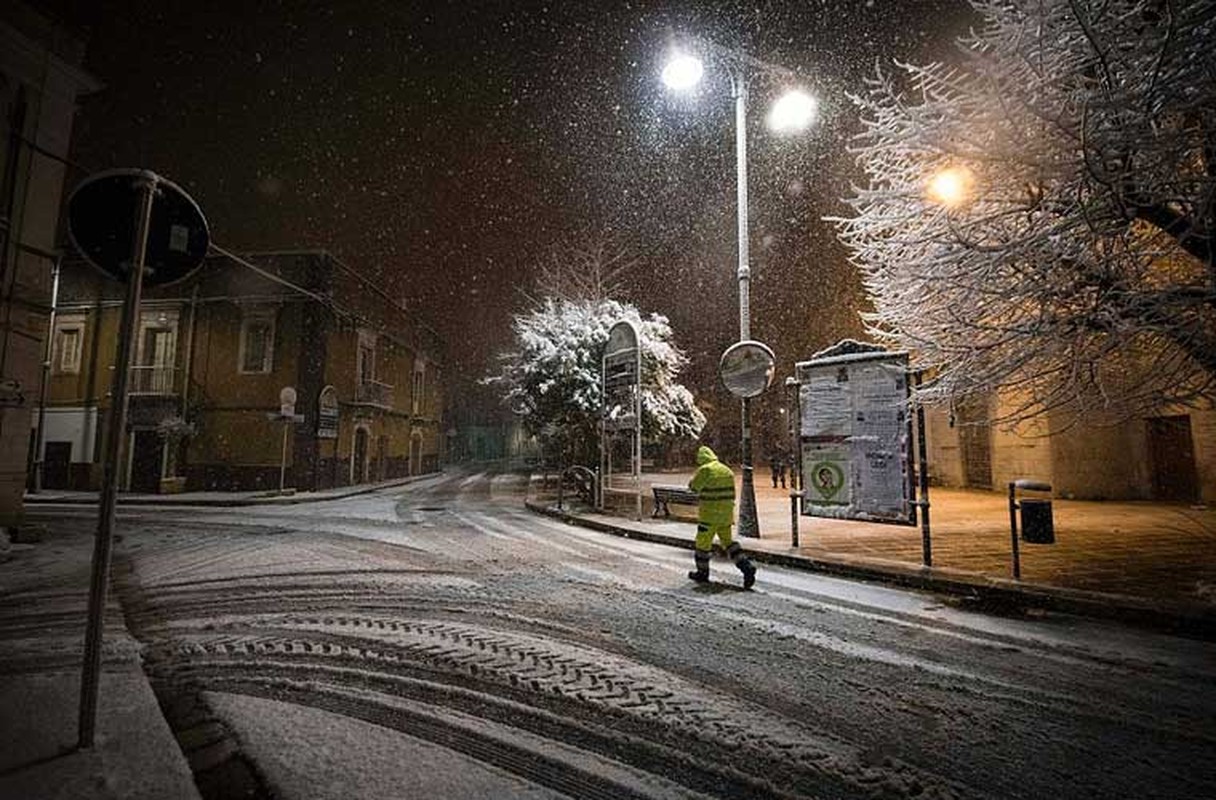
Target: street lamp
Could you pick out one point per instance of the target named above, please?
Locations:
(792, 112)
(950, 187)
(682, 72)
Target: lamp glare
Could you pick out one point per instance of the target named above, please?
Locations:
(793, 112)
(682, 72)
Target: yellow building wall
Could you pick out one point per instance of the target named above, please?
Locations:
(239, 438)
(217, 359)
(236, 444)
(1021, 451)
(1106, 458)
(942, 448)
(1203, 431)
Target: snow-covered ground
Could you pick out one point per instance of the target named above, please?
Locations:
(438, 640)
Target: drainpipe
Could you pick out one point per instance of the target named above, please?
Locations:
(189, 356)
(187, 366)
(46, 374)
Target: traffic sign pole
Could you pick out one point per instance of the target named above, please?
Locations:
(168, 240)
(109, 491)
(746, 369)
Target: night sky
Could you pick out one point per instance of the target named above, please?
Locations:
(444, 148)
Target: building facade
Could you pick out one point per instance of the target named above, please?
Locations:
(1168, 456)
(213, 356)
(40, 80)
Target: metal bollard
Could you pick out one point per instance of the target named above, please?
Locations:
(1037, 527)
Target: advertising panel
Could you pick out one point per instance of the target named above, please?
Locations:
(854, 434)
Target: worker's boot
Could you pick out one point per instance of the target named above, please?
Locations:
(701, 573)
(735, 553)
(749, 572)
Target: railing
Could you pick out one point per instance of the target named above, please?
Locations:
(374, 393)
(154, 379)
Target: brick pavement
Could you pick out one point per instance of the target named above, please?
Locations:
(1157, 552)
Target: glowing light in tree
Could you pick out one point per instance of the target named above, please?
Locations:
(951, 187)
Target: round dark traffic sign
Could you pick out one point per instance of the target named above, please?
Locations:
(747, 368)
(102, 220)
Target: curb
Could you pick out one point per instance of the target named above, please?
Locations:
(1194, 621)
(221, 502)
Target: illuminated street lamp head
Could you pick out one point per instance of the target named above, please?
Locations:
(792, 112)
(682, 72)
(950, 187)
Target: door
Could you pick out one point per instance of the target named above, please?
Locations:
(1171, 456)
(975, 442)
(415, 461)
(57, 465)
(360, 457)
(382, 458)
(159, 344)
(146, 454)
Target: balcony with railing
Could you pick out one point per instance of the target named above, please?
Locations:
(374, 393)
(157, 379)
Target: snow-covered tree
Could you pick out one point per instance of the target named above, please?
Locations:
(1039, 215)
(551, 378)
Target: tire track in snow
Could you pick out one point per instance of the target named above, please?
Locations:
(575, 672)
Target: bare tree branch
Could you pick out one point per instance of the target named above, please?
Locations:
(1078, 273)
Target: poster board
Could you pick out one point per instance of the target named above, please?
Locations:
(621, 413)
(621, 379)
(854, 436)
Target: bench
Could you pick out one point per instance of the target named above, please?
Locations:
(679, 495)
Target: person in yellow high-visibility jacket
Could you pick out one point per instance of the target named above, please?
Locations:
(714, 484)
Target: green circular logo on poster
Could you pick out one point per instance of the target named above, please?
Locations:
(826, 478)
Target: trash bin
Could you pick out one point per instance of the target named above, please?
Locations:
(1037, 525)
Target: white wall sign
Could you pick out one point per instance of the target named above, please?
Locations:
(327, 413)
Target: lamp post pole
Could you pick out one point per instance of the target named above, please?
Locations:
(749, 523)
(791, 112)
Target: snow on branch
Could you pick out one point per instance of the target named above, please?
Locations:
(551, 376)
(1039, 215)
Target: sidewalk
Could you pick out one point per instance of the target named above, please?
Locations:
(44, 592)
(1138, 562)
(43, 608)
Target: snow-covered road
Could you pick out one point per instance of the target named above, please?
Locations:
(439, 640)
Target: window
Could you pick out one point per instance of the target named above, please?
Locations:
(69, 339)
(419, 385)
(366, 365)
(257, 342)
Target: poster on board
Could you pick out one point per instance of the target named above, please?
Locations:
(854, 434)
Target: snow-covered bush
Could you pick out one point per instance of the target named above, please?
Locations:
(551, 377)
(1072, 257)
